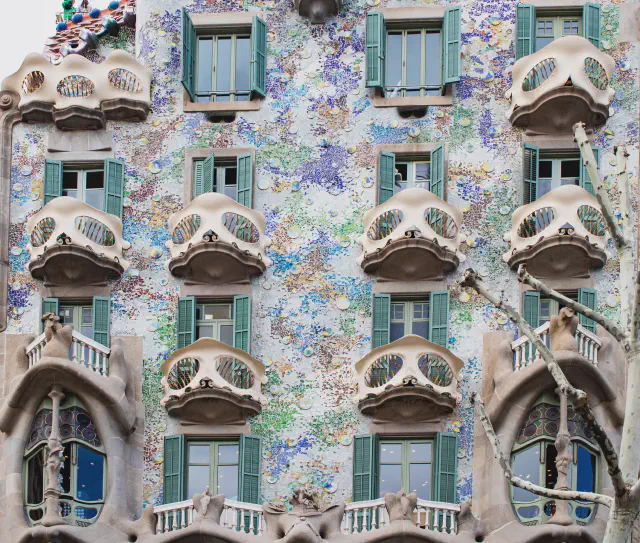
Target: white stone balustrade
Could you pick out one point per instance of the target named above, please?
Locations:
(84, 351)
(525, 354)
(82, 225)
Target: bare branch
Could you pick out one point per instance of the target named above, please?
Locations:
(526, 485)
(526, 278)
(635, 319)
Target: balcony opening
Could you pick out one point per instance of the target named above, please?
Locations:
(86, 183)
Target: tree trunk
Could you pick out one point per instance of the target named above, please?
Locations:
(619, 525)
(630, 446)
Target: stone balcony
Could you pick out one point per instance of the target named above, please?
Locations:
(412, 236)
(410, 379)
(209, 382)
(77, 94)
(562, 234)
(216, 240)
(566, 82)
(72, 243)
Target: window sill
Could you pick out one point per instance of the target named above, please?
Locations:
(413, 101)
(219, 107)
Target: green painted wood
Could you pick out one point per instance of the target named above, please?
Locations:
(375, 45)
(381, 319)
(525, 30)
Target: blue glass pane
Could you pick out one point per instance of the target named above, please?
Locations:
(205, 63)
(394, 59)
(530, 511)
(86, 513)
(526, 465)
(243, 63)
(583, 512)
(90, 475)
(586, 471)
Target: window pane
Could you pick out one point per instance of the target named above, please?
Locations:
(70, 184)
(65, 472)
(420, 452)
(545, 168)
(205, 63)
(95, 198)
(87, 331)
(570, 172)
(222, 311)
(87, 316)
(396, 330)
(204, 331)
(542, 42)
(420, 310)
(197, 480)
(545, 310)
(414, 62)
(95, 180)
(198, 454)
(586, 471)
(526, 464)
(397, 312)
(228, 482)
(90, 475)
(199, 312)
(66, 315)
(243, 62)
(432, 60)
(570, 27)
(390, 478)
(223, 66)
(35, 479)
(226, 334)
(390, 452)
(401, 176)
(230, 174)
(550, 470)
(423, 172)
(228, 454)
(420, 328)
(420, 480)
(394, 59)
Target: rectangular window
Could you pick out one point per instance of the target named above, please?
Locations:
(412, 173)
(79, 316)
(84, 184)
(215, 320)
(406, 464)
(225, 178)
(554, 27)
(557, 170)
(223, 67)
(214, 464)
(550, 308)
(413, 62)
(409, 317)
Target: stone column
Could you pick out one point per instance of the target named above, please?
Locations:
(54, 451)
(563, 464)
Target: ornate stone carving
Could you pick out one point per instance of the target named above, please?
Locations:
(54, 460)
(562, 330)
(400, 506)
(208, 507)
(58, 337)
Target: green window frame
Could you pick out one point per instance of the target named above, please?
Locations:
(217, 461)
(558, 160)
(90, 318)
(550, 28)
(223, 174)
(205, 309)
(80, 177)
(412, 173)
(410, 315)
(409, 452)
(79, 315)
(228, 176)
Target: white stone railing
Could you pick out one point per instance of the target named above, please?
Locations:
(358, 516)
(551, 213)
(211, 363)
(416, 212)
(525, 354)
(409, 360)
(82, 226)
(84, 351)
(569, 58)
(215, 217)
(76, 81)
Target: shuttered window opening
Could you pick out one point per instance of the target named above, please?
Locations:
(231, 177)
(91, 318)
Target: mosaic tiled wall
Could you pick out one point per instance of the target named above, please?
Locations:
(315, 140)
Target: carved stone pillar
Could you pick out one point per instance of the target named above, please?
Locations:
(563, 464)
(54, 462)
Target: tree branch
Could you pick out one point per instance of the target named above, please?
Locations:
(522, 483)
(527, 279)
(577, 397)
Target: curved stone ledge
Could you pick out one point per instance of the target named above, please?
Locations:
(408, 402)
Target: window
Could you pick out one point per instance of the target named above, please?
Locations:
(534, 459)
(226, 321)
(397, 172)
(100, 186)
(79, 316)
(82, 478)
(219, 65)
(397, 316)
(544, 171)
(90, 318)
(233, 178)
(417, 59)
(213, 463)
(552, 28)
(406, 464)
(538, 309)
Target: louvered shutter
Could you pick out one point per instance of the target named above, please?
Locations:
(52, 180)
(50, 305)
(242, 322)
(531, 308)
(592, 23)
(585, 179)
(525, 30)
(437, 171)
(102, 320)
(439, 317)
(588, 297)
(113, 186)
(189, 46)
(258, 57)
(375, 49)
(530, 163)
(249, 477)
(451, 37)
(446, 467)
(173, 469)
(365, 467)
(386, 176)
(186, 321)
(381, 319)
(198, 171)
(245, 180)
(208, 173)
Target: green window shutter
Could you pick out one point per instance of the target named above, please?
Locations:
(588, 297)
(451, 37)
(530, 163)
(439, 317)
(525, 30)
(173, 468)
(437, 171)
(531, 308)
(102, 320)
(198, 170)
(245, 180)
(381, 319)
(186, 321)
(242, 322)
(365, 467)
(446, 467)
(375, 49)
(386, 176)
(592, 23)
(585, 179)
(258, 57)
(249, 472)
(50, 305)
(189, 46)
(208, 166)
(113, 186)
(52, 180)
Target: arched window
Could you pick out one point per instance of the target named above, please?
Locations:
(83, 476)
(534, 459)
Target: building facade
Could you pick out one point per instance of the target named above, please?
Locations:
(233, 235)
